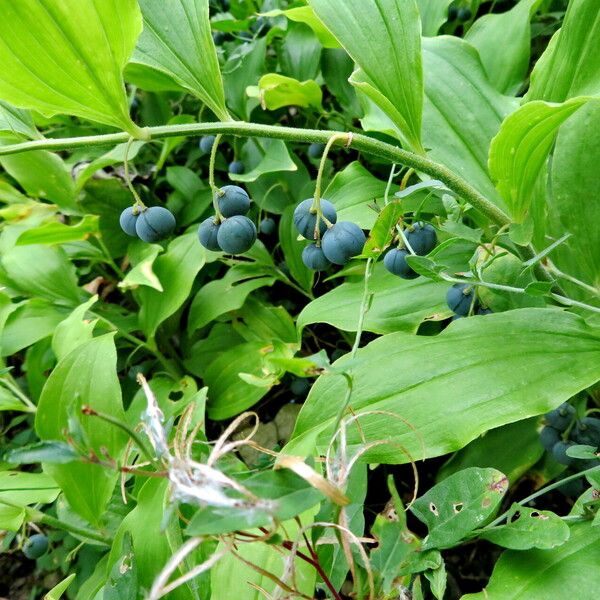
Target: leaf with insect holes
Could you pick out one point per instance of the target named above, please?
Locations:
(529, 528)
(459, 504)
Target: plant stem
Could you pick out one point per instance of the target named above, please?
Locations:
(588, 288)
(138, 200)
(216, 192)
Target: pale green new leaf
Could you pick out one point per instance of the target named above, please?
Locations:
(86, 376)
(272, 155)
(569, 571)
(570, 65)
(505, 57)
(177, 41)
(384, 39)
(275, 91)
(306, 15)
(520, 150)
(67, 56)
(479, 373)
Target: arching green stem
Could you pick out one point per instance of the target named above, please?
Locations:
(138, 200)
(216, 192)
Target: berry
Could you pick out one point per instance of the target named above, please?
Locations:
(422, 238)
(316, 150)
(236, 167)
(452, 13)
(343, 241)
(206, 143)
(127, 221)
(233, 200)
(395, 262)
(300, 386)
(573, 488)
(459, 298)
(587, 431)
(464, 14)
(35, 546)
(236, 235)
(559, 452)
(154, 224)
(313, 258)
(207, 234)
(549, 437)
(305, 220)
(267, 226)
(484, 311)
(560, 418)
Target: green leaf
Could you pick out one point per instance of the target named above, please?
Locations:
(273, 157)
(176, 270)
(67, 56)
(275, 91)
(573, 177)
(556, 76)
(54, 453)
(479, 373)
(434, 13)
(462, 502)
(396, 83)
(528, 528)
(398, 304)
(301, 53)
(86, 376)
(505, 58)
(59, 233)
(520, 150)
(292, 250)
(383, 230)
(17, 122)
(177, 41)
(74, 330)
(122, 580)
(305, 14)
(454, 80)
(142, 256)
(569, 571)
(60, 588)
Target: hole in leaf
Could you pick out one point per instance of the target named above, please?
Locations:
(457, 507)
(433, 509)
(177, 395)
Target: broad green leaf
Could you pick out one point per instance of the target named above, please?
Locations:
(122, 580)
(351, 190)
(67, 56)
(17, 122)
(512, 449)
(573, 205)
(177, 41)
(370, 30)
(569, 571)
(459, 504)
(336, 68)
(528, 528)
(275, 91)
(42, 175)
(434, 13)
(176, 270)
(269, 156)
(398, 304)
(520, 150)
(60, 588)
(44, 272)
(462, 111)
(479, 373)
(505, 58)
(56, 453)
(74, 330)
(142, 256)
(264, 322)
(570, 65)
(301, 53)
(31, 321)
(292, 250)
(86, 376)
(305, 14)
(224, 295)
(58, 233)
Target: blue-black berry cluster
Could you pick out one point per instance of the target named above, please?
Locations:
(422, 238)
(231, 232)
(462, 301)
(335, 242)
(150, 224)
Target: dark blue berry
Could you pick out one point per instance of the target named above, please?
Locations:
(300, 386)
(343, 241)
(206, 143)
(236, 167)
(559, 452)
(316, 150)
(267, 226)
(452, 13)
(587, 431)
(233, 200)
(464, 14)
(395, 262)
(207, 234)
(422, 238)
(128, 219)
(560, 418)
(549, 437)
(154, 224)
(305, 220)
(35, 546)
(459, 298)
(313, 258)
(236, 235)
(484, 311)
